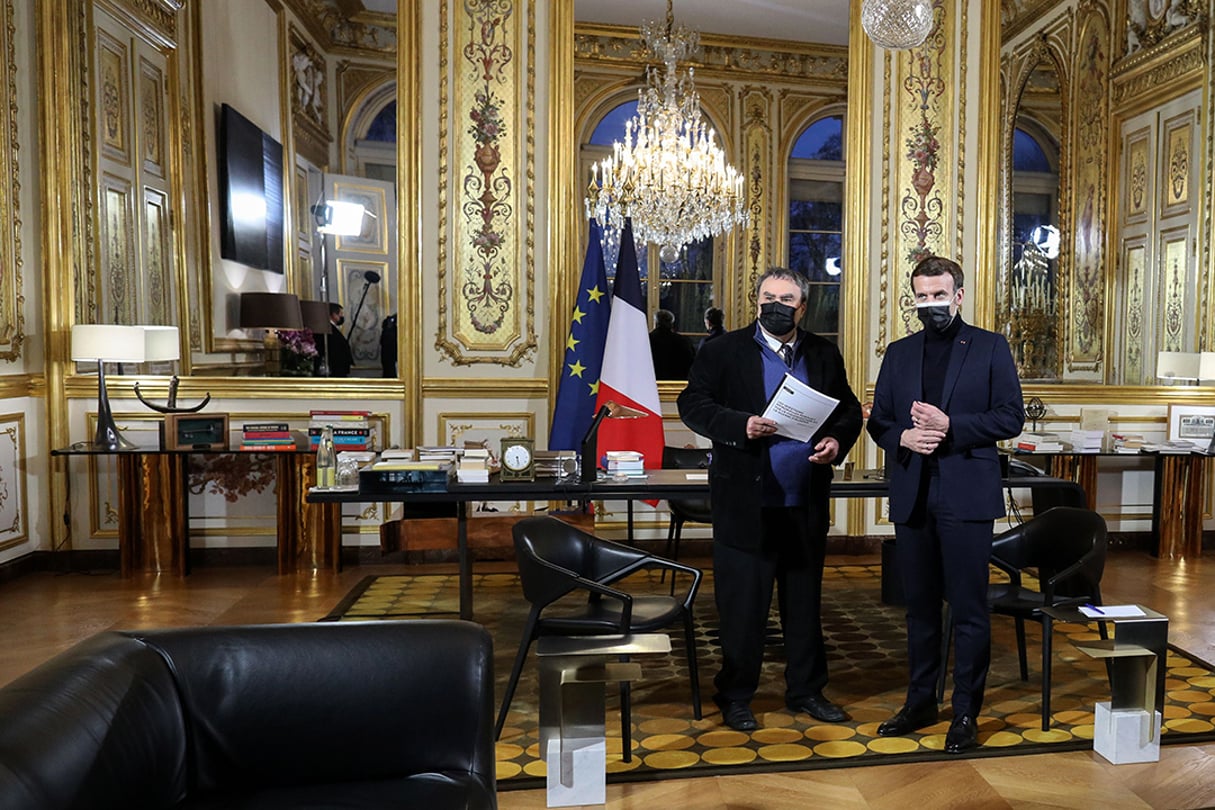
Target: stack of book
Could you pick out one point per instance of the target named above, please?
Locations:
(266, 437)
(1087, 441)
(1130, 443)
(473, 467)
(624, 462)
(351, 429)
(1030, 442)
(448, 453)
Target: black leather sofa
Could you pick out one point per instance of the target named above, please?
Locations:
(342, 715)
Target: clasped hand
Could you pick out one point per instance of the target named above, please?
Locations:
(929, 426)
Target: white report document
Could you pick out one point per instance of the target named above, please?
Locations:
(797, 409)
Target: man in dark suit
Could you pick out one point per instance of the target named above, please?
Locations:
(672, 352)
(769, 495)
(337, 348)
(943, 398)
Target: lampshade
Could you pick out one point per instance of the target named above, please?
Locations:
(1206, 366)
(1177, 365)
(160, 343)
(266, 310)
(316, 316)
(112, 343)
(341, 218)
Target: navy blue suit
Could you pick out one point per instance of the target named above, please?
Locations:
(944, 512)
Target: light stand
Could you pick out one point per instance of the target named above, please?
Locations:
(369, 277)
(113, 344)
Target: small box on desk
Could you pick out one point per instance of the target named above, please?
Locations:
(395, 482)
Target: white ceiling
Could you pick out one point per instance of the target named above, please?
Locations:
(819, 21)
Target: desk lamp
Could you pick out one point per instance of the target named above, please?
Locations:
(590, 442)
(270, 311)
(1177, 366)
(161, 346)
(107, 343)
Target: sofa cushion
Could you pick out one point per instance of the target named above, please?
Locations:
(98, 726)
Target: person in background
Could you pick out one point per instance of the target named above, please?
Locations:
(943, 398)
(769, 495)
(672, 351)
(714, 325)
(337, 348)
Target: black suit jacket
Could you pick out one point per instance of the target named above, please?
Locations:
(982, 397)
(725, 388)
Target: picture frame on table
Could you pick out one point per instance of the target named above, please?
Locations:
(1194, 424)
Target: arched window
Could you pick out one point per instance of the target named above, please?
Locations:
(686, 286)
(816, 220)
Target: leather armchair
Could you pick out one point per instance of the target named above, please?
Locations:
(371, 714)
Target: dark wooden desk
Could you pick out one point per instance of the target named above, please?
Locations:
(154, 511)
(1177, 493)
(657, 485)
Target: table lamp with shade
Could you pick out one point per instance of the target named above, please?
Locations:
(161, 346)
(1177, 366)
(272, 312)
(107, 343)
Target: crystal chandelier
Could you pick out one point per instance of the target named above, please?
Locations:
(669, 175)
(897, 24)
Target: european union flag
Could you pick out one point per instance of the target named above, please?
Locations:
(579, 384)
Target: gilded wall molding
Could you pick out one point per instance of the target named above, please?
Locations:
(757, 58)
(758, 168)
(14, 505)
(487, 256)
(12, 259)
(155, 17)
(355, 80)
(340, 32)
(1160, 70)
(1086, 294)
(887, 275)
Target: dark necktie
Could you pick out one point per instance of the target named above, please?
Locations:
(786, 354)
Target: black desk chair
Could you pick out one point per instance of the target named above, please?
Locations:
(556, 559)
(684, 510)
(1067, 548)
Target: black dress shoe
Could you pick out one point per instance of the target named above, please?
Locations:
(963, 735)
(907, 720)
(819, 708)
(737, 715)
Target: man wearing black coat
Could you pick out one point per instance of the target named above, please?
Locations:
(769, 495)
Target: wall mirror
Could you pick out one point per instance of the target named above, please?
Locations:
(219, 130)
(774, 88)
(1033, 223)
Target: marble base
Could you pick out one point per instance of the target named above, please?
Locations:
(1126, 735)
(578, 776)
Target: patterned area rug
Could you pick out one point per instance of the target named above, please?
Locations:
(866, 645)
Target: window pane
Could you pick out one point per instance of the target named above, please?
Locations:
(695, 262)
(822, 140)
(823, 309)
(817, 255)
(1027, 154)
(823, 214)
(611, 126)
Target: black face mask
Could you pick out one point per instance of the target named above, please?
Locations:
(935, 316)
(777, 318)
(339, 321)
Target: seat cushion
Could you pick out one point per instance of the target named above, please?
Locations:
(433, 791)
(603, 616)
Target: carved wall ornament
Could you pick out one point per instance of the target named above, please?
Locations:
(1150, 22)
(330, 24)
(1180, 60)
(1178, 167)
(12, 262)
(1137, 178)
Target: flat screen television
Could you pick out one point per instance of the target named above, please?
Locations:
(250, 193)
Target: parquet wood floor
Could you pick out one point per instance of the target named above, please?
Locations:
(45, 613)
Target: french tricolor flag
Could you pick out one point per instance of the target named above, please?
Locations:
(628, 368)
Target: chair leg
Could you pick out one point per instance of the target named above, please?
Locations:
(528, 633)
(1047, 632)
(667, 549)
(946, 644)
(1021, 649)
(689, 632)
